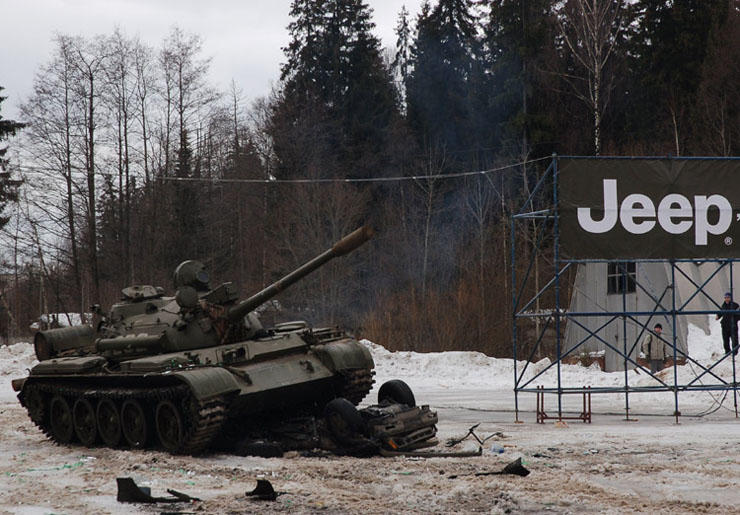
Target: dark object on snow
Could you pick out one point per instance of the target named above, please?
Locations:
(264, 491)
(259, 448)
(514, 468)
(129, 491)
(176, 371)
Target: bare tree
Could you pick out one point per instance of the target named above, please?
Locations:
(432, 166)
(89, 60)
(185, 75)
(590, 30)
(121, 95)
(480, 203)
(55, 121)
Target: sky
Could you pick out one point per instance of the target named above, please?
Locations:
(244, 38)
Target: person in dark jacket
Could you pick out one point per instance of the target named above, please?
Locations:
(729, 323)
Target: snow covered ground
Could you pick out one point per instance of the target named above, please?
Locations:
(462, 371)
(647, 465)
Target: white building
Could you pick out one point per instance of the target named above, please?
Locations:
(599, 288)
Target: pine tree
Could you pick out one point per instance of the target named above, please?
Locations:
(716, 116)
(400, 64)
(441, 87)
(669, 44)
(335, 76)
(516, 36)
(8, 186)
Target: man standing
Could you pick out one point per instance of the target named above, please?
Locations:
(654, 349)
(729, 323)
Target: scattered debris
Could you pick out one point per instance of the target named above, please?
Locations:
(264, 491)
(129, 491)
(514, 468)
(471, 432)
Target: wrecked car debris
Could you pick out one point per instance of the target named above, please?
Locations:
(387, 427)
(129, 491)
(263, 491)
(451, 442)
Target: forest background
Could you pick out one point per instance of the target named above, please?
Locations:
(127, 161)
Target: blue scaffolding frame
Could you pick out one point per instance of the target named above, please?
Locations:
(548, 211)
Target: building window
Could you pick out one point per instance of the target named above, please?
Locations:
(615, 281)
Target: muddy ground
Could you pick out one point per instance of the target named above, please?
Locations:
(650, 465)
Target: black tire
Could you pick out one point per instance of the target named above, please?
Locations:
(86, 427)
(62, 425)
(170, 426)
(109, 422)
(36, 405)
(135, 423)
(343, 420)
(396, 391)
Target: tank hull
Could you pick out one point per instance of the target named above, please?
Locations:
(181, 401)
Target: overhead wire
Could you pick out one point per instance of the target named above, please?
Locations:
(31, 169)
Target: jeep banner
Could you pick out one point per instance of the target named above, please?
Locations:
(649, 208)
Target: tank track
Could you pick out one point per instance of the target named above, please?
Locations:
(203, 420)
(356, 384)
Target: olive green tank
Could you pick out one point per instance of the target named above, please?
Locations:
(172, 372)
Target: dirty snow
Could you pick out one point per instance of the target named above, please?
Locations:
(649, 464)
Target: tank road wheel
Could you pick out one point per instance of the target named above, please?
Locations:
(170, 428)
(83, 415)
(134, 423)
(343, 420)
(396, 390)
(62, 426)
(36, 406)
(109, 422)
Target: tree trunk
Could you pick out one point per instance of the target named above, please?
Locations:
(92, 223)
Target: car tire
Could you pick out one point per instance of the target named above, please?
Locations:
(396, 391)
(343, 420)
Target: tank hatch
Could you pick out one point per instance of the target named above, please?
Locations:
(141, 292)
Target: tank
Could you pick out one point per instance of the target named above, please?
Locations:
(176, 371)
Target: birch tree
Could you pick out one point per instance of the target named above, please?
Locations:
(590, 30)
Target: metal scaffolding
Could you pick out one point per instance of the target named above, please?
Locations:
(542, 207)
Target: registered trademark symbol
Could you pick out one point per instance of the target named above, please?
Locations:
(728, 240)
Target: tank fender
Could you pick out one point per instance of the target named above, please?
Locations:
(344, 355)
(207, 382)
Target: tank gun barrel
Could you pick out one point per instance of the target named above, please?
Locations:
(344, 246)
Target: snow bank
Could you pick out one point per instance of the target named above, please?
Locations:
(476, 370)
(16, 359)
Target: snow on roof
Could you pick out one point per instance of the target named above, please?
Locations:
(65, 319)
